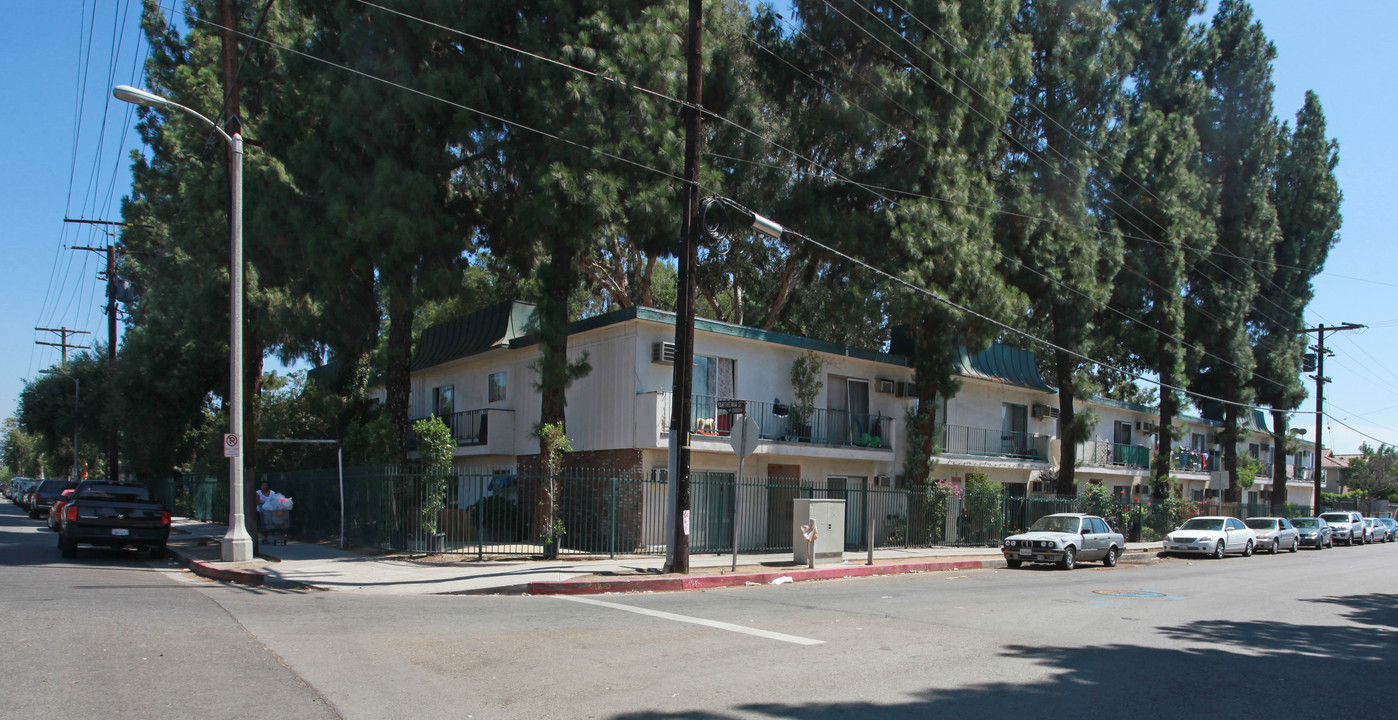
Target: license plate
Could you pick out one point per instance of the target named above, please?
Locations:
(119, 532)
(1025, 551)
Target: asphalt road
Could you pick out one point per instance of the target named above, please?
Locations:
(1241, 637)
(115, 635)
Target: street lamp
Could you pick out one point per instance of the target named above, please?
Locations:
(77, 407)
(237, 543)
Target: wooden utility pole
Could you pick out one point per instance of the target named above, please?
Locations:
(62, 343)
(683, 384)
(1318, 477)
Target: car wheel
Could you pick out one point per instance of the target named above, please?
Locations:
(1110, 559)
(1218, 550)
(1013, 562)
(67, 547)
(1295, 544)
(1070, 558)
(1247, 549)
(1276, 546)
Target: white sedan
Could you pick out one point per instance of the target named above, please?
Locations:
(1213, 536)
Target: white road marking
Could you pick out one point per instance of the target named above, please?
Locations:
(696, 621)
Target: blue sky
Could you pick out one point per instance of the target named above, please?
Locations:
(64, 144)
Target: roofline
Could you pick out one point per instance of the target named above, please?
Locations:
(637, 312)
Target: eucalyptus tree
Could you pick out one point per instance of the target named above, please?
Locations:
(1157, 200)
(1062, 255)
(1307, 199)
(898, 109)
(1238, 135)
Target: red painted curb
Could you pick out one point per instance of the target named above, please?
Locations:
(204, 569)
(704, 582)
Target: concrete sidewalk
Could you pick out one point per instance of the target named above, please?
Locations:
(325, 567)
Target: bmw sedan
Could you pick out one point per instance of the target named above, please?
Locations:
(1214, 536)
(1064, 539)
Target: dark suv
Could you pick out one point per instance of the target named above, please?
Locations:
(45, 494)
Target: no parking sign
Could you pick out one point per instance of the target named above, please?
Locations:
(232, 446)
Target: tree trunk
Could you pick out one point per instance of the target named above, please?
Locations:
(1164, 453)
(1279, 431)
(397, 377)
(553, 323)
(1229, 438)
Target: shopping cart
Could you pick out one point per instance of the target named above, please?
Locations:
(274, 526)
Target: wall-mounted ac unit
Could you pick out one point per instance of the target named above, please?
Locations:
(662, 353)
(886, 386)
(1044, 411)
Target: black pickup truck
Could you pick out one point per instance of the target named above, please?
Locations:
(113, 515)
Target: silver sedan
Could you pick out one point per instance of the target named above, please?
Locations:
(1274, 534)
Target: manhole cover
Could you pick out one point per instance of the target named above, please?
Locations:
(1129, 593)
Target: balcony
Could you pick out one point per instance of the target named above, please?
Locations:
(984, 442)
(1106, 454)
(488, 430)
(780, 422)
(1189, 460)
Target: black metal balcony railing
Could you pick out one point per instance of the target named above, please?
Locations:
(985, 442)
(469, 427)
(1106, 454)
(789, 423)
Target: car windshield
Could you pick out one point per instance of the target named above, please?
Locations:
(1055, 524)
(1261, 523)
(1335, 517)
(1306, 522)
(1203, 524)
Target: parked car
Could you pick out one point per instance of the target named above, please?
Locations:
(1274, 533)
(1212, 535)
(1315, 532)
(1064, 539)
(26, 492)
(1376, 531)
(114, 515)
(44, 495)
(1390, 525)
(1348, 526)
(56, 511)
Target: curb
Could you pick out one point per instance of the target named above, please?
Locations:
(205, 569)
(707, 582)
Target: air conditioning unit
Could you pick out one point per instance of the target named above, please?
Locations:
(662, 353)
(902, 389)
(886, 387)
(1148, 427)
(1044, 411)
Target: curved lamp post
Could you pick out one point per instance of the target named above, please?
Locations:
(237, 543)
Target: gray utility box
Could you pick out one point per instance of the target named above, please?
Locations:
(829, 517)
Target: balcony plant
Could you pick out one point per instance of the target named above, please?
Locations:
(805, 384)
(436, 448)
(553, 445)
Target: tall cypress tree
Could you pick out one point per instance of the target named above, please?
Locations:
(1063, 114)
(1158, 200)
(1307, 198)
(911, 96)
(1239, 141)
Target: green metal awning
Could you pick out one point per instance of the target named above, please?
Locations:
(470, 334)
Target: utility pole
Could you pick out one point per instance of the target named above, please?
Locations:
(113, 437)
(683, 384)
(1320, 380)
(63, 343)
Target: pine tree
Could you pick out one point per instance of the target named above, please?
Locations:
(1307, 200)
(1239, 141)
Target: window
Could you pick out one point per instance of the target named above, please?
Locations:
(495, 390)
(443, 401)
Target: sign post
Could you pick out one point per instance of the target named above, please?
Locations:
(744, 441)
